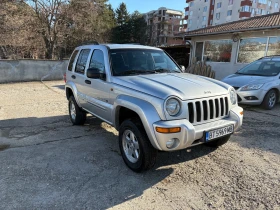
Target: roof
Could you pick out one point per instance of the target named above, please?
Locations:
(255, 23)
(121, 46)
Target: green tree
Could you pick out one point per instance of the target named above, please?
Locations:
(139, 28)
(122, 32)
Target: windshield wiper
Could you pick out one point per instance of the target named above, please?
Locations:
(166, 70)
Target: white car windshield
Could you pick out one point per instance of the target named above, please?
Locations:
(141, 61)
(265, 67)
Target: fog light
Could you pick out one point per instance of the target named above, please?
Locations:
(251, 98)
(170, 143)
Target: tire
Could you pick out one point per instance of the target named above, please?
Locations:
(77, 115)
(269, 100)
(218, 142)
(136, 149)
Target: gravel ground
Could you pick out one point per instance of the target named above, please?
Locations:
(46, 163)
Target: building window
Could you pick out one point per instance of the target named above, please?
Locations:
(211, 22)
(212, 11)
(269, 3)
(230, 2)
(191, 3)
(273, 46)
(213, 2)
(229, 12)
(251, 49)
(204, 18)
(218, 16)
(268, 12)
(245, 9)
(253, 11)
(263, 12)
(189, 22)
(205, 9)
(263, 1)
(276, 5)
(191, 13)
(219, 5)
(186, 13)
(217, 51)
(205, 0)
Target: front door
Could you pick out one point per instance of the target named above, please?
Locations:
(97, 90)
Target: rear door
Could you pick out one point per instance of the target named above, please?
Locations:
(78, 76)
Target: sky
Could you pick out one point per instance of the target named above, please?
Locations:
(144, 6)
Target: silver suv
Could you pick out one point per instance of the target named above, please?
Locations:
(145, 95)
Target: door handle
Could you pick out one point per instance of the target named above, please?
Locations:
(88, 82)
(73, 76)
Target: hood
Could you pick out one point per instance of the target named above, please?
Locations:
(183, 85)
(239, 80)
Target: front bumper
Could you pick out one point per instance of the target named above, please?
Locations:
(191, 135)
(243, 96)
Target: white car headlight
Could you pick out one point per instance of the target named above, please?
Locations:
(233, 96)
(172, 106)
(251, 87)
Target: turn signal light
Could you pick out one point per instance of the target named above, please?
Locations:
(241, 113)
(168, 130)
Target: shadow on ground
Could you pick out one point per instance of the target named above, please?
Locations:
(48, 163)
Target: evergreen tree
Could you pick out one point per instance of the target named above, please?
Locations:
(122, 32)
(139, 28)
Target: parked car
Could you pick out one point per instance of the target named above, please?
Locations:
(258, 83)
(144, 94)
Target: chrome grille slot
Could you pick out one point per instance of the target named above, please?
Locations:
(207, 109)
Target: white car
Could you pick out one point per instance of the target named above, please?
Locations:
(258, 83)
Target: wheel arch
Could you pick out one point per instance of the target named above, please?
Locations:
(134, 107)
(71, 90)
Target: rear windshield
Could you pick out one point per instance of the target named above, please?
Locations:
(262, 68)
(141, 61)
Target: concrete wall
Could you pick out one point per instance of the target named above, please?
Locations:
(224, 69)
(31, 70)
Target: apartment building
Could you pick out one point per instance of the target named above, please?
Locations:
(203, 13)
(163, 25)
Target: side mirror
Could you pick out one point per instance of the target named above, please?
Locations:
(95, 73)
(183, 68)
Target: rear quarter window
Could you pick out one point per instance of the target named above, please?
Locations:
(72, 59)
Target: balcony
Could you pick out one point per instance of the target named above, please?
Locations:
(244, 14)
(188, 1)
(246, 3)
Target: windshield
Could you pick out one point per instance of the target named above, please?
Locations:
(262, 68)
(141, 61)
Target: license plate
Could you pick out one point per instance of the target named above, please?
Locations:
(217, 133)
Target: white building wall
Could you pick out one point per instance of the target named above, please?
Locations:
(259, 7)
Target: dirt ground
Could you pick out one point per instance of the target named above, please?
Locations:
(46, 163)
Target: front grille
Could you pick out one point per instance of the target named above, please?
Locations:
(207, 109)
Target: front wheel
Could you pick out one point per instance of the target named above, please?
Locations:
(269, 100)
(77, 115)
(218, 142)
(136, 149)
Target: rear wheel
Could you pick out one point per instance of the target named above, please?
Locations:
(218, 142)
(269, 100)
(77, 115)
(136, 149)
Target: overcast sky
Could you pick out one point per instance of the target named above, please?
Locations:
(144, 6)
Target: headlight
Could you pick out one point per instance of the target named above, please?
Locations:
(233, 97)
(172, 106)
(251, 87)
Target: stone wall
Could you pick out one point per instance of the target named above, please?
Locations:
(31, 70)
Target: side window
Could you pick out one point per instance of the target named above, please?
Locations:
(97, 61)
(72, 59)
(82, 61)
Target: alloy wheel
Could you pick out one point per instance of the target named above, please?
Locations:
(130, 146)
